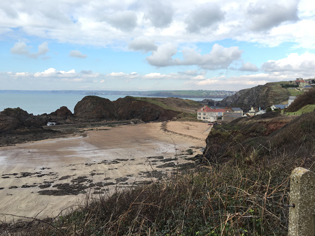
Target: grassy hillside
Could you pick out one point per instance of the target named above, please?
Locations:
(307, 98)
(188, 108)
(306, 109)
(260, 96)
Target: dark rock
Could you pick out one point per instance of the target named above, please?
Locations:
(65, 177)
(121, 179)
(28, 186)
(61, 114)
(144, 182)
(80, 179)
(95, 108)
(128, 108)
(170, 164)
(44, 186)
(169, 159)
(108, 183)
(156, 157)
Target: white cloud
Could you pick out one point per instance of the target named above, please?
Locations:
(51, 72)
(159, 14)
(189, 72)
(248, 67)
(142, 44)
(113, 23)
(163, 55)
(295, 64)
(204, 16)
(122, 75)
(123, 20)
(155, 76)
(265, 14)
(219, 57)
(233, 83)
(21, 48)
(76, 53)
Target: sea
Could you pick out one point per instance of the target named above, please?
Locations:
(41, 102)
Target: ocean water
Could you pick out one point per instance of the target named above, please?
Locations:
(47, 102)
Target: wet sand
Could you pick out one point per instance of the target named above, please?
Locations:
(40, 179)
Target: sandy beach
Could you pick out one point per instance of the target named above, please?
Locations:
(40, 179)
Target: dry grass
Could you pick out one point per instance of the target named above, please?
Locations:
(228, 199)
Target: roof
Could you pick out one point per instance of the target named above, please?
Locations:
(208, 109)
(236, 109)
(280, 106)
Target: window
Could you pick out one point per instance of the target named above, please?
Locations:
(199, 117)
(204, 114)
(199, 113)
(204, 117)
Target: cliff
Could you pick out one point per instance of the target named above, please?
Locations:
(93, 108)
(260, 96)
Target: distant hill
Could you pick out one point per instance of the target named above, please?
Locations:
(260, 96)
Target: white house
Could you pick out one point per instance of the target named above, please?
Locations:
(208, 114)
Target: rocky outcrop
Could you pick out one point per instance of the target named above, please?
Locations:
(129, 108)
(93, 108)
(16, 118)
(260, 96)
(61, 116)
(62, 112)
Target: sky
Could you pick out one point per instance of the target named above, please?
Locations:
(141, 45)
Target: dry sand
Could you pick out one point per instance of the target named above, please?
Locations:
(94, 156)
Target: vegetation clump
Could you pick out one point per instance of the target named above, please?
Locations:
(302, 100)
(224, 199)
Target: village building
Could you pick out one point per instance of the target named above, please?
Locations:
(278, 106)
(209, 114)
(251, 112)
(237, 110)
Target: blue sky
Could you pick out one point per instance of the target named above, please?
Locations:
(154, 45)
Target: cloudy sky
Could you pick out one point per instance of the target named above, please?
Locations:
(154, 44)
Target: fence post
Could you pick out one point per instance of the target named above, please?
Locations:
(302, 202)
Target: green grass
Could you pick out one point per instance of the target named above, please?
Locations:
(303, 110)
(295, 92)
(155, 102)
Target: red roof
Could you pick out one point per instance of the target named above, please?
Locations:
(208, 109)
